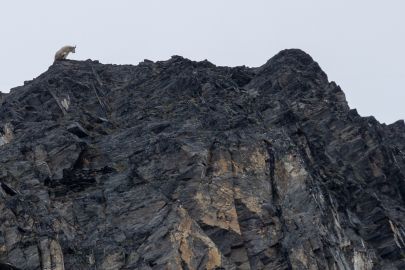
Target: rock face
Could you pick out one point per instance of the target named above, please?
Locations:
(186, 165)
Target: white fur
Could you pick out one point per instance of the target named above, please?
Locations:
(63, 52)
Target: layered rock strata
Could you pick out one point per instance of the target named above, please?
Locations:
(186, 165)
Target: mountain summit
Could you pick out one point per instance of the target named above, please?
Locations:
(186, 165)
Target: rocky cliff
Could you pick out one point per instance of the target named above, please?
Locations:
(186, 165)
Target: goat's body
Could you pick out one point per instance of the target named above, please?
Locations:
(63, 52)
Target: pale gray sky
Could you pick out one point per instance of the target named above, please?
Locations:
(360, 44)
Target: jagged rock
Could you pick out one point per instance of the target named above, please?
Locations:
(2, 96)
(78, 130)
(186, 165)
(7, 135)
(4, 266)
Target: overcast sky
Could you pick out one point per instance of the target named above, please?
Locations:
(360, 44)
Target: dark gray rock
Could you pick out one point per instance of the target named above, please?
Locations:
(4, 266)
(186, 165)
(78, 130)
(2, 97)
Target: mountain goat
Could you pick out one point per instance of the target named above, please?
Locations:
(63, 52)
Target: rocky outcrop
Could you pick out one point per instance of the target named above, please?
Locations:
(2, 97)
(186, 165)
